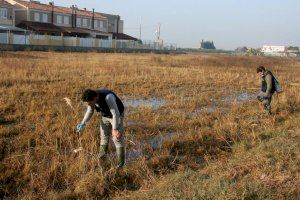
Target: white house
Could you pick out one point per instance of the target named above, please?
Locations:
(274, 50)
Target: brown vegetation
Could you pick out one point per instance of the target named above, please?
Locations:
(224, 147)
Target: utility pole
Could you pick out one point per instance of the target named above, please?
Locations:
(52, 12)
(118, 21)
(75, 17)
(141, 28)
(72, 19)
(93, 19)
(158, 32)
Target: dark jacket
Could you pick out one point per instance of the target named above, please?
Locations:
(103, 106)
(268, 85)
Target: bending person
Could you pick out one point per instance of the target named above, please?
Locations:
(111, 110)
(267, 88)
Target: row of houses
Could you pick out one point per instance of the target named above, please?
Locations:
(281, 51)
(268, 50)
(34, 17)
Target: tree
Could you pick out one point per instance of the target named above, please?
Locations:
(293, 48)
(241, 49)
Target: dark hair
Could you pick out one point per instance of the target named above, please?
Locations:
(260, 69)
(88, 95)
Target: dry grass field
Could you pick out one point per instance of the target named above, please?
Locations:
(193, 127)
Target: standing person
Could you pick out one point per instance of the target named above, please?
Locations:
(111, 110)
(268, 88)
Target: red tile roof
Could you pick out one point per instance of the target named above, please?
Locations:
(58, 9)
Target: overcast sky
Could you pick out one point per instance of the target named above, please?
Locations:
(229, 23)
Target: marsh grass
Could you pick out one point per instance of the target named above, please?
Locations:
(232, 153)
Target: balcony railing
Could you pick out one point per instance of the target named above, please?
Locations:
(4, 21)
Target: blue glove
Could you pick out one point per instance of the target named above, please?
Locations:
(80, 127)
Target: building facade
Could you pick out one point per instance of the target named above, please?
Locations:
(57, 20)
(274, 50)
(115, 24)
(6, 15)
(35, 23)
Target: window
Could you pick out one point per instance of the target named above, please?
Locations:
(45, 18)
(96, 24)
(84, 22)
(36, 17)
(59, 19)
(66, 20)
(101, 24)
(3, 13)
(78, 21)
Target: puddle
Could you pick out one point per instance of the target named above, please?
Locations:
(229, 99)
(206, 109)
(153, 103)
(210, 109)
(236, 98)
(133, 123)
(155, 143)
(201, 111)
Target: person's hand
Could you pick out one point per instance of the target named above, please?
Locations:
(115, 133)
(259, 98)
(79, 128)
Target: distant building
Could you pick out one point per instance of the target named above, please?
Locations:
(50, 19)
(56, 20)
(207, 45)
(293, 53)
(274, 50)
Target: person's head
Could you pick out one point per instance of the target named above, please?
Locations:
(261, 70)
(89, 96)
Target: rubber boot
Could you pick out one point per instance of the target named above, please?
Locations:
(267, 108)
(121, 156)
(103, 152)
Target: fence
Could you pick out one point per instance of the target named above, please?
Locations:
(47, 40)
(4, 38)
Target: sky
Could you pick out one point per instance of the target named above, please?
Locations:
(229, 23)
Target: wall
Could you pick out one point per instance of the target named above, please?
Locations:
(80, 18)
(9, 21)
(121, 26)
(60, 41)
(20, 15)
(63, 15)
(112, 23)
(104, 28)
(11, 47)
(31, 14)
